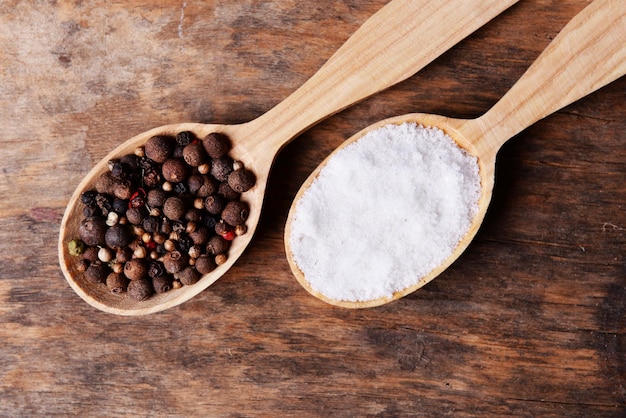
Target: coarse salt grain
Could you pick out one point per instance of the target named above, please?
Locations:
(384, 212)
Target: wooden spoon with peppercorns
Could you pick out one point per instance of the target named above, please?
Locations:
(588, 54)
(393, 44)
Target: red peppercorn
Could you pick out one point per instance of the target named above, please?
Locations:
(229, 236)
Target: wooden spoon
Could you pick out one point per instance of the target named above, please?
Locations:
(397, 41)
(588, 53)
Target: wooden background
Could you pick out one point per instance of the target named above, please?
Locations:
(530, 321)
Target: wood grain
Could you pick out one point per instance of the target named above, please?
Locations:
(530, 321)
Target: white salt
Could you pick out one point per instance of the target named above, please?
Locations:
(384, 212)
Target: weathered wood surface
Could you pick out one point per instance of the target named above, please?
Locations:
(530, 321)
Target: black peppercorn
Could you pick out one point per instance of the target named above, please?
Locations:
(151, 224)
(188, 276)
(205, 264)
(159, 148)
(130, 163)
(88, 198)
(241, 180)
(151, 178)
(140, 289)
(216, 144)
(185, 138)
(235, 213)
(118, 236)
(156, 269)
(162, 284)
(194, 154)
(221, 168)
(116, 283)
(135, 269)
(119, 206)
(92, 231)
(117, 169)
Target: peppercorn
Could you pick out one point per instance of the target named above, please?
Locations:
(118, 236)
(130, 162)
(156, 269)
(235, 213)
(117, 283)
(194, 215)
(122, 255)
(217, 245)
(76, 247)
(151, 178)
(175, 261)
(241, 180)
(174, 170)
(222, 228)
(90, 254)
(194, 154)
(159, 148)
(205, 264)
(188, 276)
(88, 198)
(92, 230)
(117, 169)
(136, 215)
(105, 183)
(241, 230)
(227, 192)
(216, 144)
(151, 224)
(140, 289)
(135, 269)
(82, 266)
(185, 138)
(156, 198)
(120, 206)
(221, 167)
(91, 211)
(201, 235)
(220, 259)
(174, 208)
(97, 272)
(214, 204)
(162, 284)
(105, 254)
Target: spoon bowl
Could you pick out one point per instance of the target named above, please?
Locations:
(588, 53)
(397, 41)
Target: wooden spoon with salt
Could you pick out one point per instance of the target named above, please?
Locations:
(397, 41)
(588, 53)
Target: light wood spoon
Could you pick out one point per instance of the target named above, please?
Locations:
(588, 53)
(396, 42)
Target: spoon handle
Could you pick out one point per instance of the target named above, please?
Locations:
(396, 42)
(588, 53)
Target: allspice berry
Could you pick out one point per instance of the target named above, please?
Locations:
(156, 198)
(174, 208)
(205, 264)
(216, 144)
(227, 192)
(135, 269)
(159, 148)
(105, 183)
(194, 154)
(221, 168)
(174, 170)
(90, 254)
(123, 190)
(217, 245)
(92, 231)
(162, 284)
(189, 276)
(241, 180)
(97, 272)
(117, 283)
(140, 289)
(200, 236)
(214, 204)
(136, 215)
(235, 213)
(118, 236)
(175, 261)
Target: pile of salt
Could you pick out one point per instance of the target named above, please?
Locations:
(384, 212)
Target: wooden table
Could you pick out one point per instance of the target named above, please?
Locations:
(530, 321)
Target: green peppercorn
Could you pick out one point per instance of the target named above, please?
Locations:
(76, 247)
